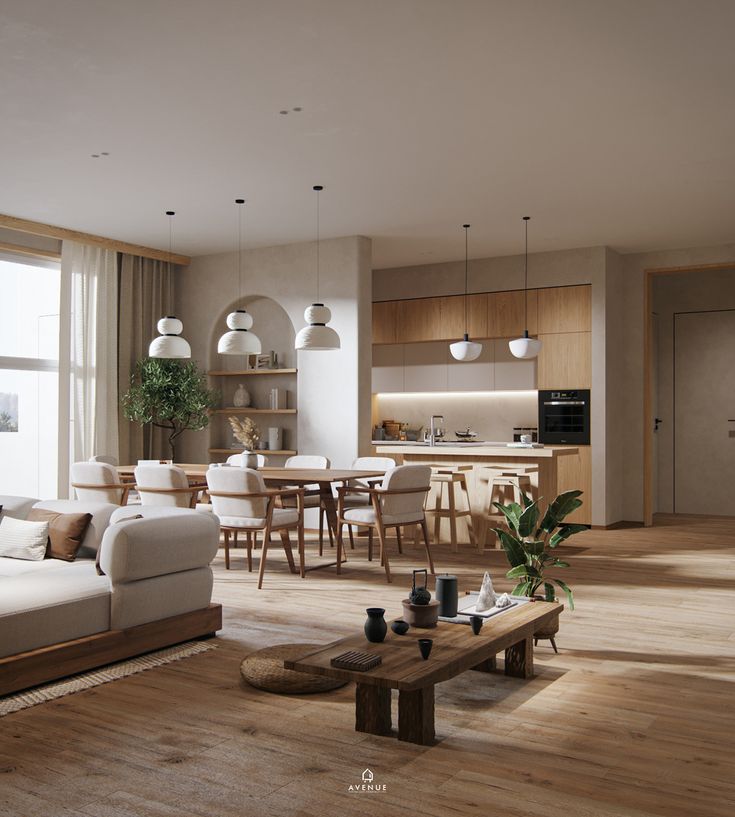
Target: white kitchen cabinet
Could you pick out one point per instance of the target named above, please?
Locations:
(511, 373)
(475, 375)
(425, 366)
(388, 368)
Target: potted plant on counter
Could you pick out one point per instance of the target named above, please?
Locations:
(528, 543)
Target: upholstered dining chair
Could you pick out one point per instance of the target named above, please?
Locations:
(110, 460)
(166, 485)
(362, 500)
(236, 460)
(312, 498)
(244, 505)
(98, 482)
(397, 501)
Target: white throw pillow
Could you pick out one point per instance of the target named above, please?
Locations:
(20, 539)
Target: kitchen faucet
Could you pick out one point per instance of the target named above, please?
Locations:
(432, 427)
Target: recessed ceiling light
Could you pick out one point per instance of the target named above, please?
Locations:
(95, 156)
(283, 112)
(297, 109)
(104, 153)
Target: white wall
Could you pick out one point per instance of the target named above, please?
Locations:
(704, 291)
(333, 387)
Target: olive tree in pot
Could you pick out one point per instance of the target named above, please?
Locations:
(529, 546)
(171, 395)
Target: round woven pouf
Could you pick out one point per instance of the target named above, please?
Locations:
(264, 670)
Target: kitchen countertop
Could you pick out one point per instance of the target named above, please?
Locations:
(490, 449)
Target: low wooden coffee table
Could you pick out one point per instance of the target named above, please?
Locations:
(455, 650)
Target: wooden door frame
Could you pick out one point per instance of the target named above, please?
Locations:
(648, 408)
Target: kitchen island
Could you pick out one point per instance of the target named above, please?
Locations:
(483, 455)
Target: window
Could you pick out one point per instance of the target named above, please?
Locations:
(29, 377)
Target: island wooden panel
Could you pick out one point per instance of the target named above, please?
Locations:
(575, 473)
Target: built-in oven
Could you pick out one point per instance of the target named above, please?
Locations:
(564, 416)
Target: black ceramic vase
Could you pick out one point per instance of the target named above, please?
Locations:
(447, 595)
(375, 626)
(425, 645)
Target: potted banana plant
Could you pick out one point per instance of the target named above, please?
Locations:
(529, 545)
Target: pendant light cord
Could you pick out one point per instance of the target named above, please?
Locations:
(170, 214)
(318, 188)
(239, 248)
(526, 219)
(466, 264)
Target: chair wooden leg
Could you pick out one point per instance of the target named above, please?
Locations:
(352, 538)
(302, 556)
(437, 515)
(370, 544)
(249, 546)
(425, 529)
(470, 526)
(340, 545)
(227, 549)
(321, 531)
(384, 552)
(452, 503)
(331, 536)
(398, 539)
(263, 552)
(286, 542)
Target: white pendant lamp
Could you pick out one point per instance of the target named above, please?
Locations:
(525, 348)
(317, 336)
(170, 345)
(239, 340)
(465, 349)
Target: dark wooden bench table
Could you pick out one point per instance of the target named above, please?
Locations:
(455, 651)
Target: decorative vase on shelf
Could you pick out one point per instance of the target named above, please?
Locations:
(249, 460)
(241, 398)
(375, 626)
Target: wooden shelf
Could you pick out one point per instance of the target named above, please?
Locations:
(249, 372)
(279, 453)
(236, 410)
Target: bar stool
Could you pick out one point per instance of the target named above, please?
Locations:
(451, 477)
(505, 484)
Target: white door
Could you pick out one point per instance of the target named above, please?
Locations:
(704, 413)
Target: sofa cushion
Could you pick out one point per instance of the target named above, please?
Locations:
(20, 539)
(16, 506)
(49, 606)
(101, 513)
(65, 532)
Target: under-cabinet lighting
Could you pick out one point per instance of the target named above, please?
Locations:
(462, 394)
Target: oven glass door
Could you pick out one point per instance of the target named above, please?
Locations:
(564, 416)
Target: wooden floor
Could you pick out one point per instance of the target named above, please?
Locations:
(635, 716)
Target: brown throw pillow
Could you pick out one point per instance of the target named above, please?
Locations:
(65, 532)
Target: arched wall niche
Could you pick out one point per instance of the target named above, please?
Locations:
(274, 328)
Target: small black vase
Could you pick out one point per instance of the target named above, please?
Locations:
(375, 626)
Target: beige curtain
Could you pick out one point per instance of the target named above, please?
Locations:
(145, 297)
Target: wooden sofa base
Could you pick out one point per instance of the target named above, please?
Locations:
(28, 669)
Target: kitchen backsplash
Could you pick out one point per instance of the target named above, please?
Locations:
(492, 415)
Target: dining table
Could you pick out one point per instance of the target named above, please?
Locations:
(322, 478)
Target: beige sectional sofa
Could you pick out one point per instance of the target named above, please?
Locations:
(58, 617)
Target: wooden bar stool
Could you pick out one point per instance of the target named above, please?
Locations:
(451, 477)
(505, 484)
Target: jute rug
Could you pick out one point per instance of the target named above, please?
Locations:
(93, 678)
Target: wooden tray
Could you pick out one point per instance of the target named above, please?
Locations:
(356, 661)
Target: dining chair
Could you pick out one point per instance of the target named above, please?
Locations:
(362, 500)
(312, 493)
(243, 504)
(166, 485)
(236, 460)
(110, 460)
(396, 502)
(99, 482)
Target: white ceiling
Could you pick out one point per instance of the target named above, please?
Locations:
(607, 122)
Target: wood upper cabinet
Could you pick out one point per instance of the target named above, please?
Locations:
(452, 318)
(384, 322)
(418, 320)
(574, 473)
(565, 361)
(565, 309)
(506, 313)
(477, 312)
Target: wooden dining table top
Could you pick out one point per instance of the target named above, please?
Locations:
(289, 476)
